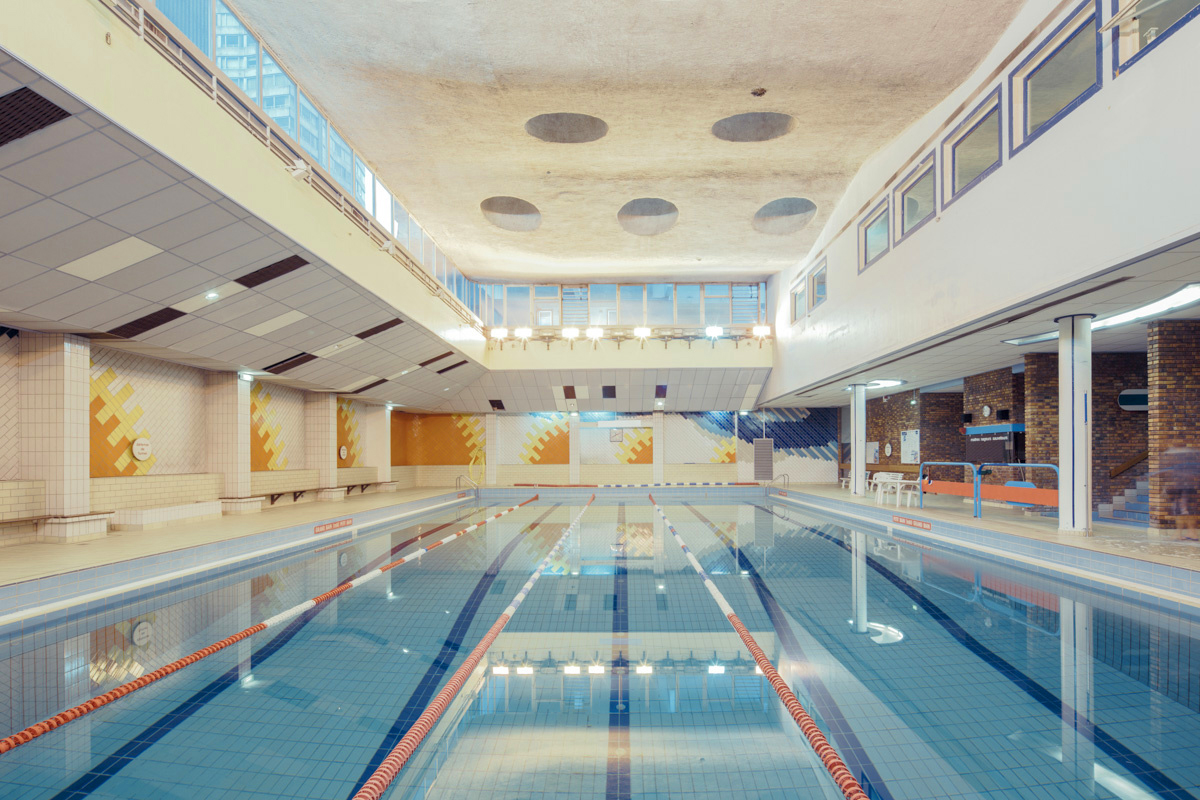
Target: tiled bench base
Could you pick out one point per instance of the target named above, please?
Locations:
(143, 519)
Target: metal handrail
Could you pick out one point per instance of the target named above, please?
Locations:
(458, 483)
(787, 481)
(977, 472)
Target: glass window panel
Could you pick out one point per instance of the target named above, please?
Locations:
(1151, 23)
(917, 202)
(818, 287)
(603, 304)
(745, 303)
(633, 311)
(575, 305)
(383, 205)
(660, 303)
(876, 243)
(799, 304)
(977, 151)
(278, 95)
(429, 251)
(516, 313)
(546, 310)
(341, 161)
(313, 131)
(193, 18)
(716, 304)
(1061, 78)
(399, 223)
(364, 186)
(688, 310)
(498, 304)
(236, 52)
(440, 270)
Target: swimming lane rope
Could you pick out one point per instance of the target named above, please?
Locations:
(845, 780)
(379, 781)
(45, 726)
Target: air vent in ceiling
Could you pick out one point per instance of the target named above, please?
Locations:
(370, 386)
(147, 323)
(271, 272)
(24, 112)
(280, 367)
(380, 328)
(497, 405)
(608, 392)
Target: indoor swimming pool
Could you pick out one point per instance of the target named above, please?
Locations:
(934, 674)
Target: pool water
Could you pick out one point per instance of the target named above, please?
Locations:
(934, 674)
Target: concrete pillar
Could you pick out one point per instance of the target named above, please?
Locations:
(1075, 644)
(54, 432)
(660, 446)
(858, 438)
(573, 440)
(320, 443)
(227, 400)
(1075, 423)
(491, 448)
(376, 428)
(858, 580)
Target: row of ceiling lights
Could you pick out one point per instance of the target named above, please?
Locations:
(710, 332)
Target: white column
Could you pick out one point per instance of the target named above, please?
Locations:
(320, 443)
(858, 579)
(660, 446)
(376, 429)
(573, 440)
(1075, 423)
(54, 431)
(858, 438)
(1075, 643)
(227, 400)
(491, 448)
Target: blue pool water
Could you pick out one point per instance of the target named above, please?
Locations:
(619, 677)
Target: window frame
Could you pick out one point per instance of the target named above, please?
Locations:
(881, 209)
(820, 269)
(926, 166)
(1117, 66)
(1085, 14)
(964, 129)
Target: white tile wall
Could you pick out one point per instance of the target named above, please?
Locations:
(10, 437)
(285, 480)
(53, 417)
(140, 519)
(320, 436)
(20, 500)
(374, 426)
(171, 397)
(508, 474)
(616, 473)
(719, 473)
(227, 400)
(152, 491)
(350, 475)
(405, 477)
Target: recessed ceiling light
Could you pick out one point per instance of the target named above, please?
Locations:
(211, 296)
(1184, 297)
(641, 333)
(570, 333)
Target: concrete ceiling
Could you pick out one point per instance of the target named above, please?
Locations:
(437, 94)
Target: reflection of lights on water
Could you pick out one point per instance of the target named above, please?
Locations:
(595, 669)
(248, 680)
(524, 670)
(645, 669)
(757, 670)
(716, 669)
(880, 633)
(499, 669)
(571, 669)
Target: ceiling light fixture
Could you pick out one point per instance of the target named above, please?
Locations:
(570, 333)
(499, 333)
(641, 333)
(246, 376)
(744, 413)
(713, 331)
(212, 296)
(594, 333)
(762, 330)
(1180, 299)
(523, 333)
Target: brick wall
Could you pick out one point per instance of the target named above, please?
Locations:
(1117, 435)
(940, 420)
(1001, 389)
(1041, 416)
(886, 417)
(1174, 416)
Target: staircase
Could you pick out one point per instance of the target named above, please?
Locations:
(1132, 507)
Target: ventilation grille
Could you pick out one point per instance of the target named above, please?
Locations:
(764, 459)
(24, 112)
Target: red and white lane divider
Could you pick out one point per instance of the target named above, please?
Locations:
(58, 720)
(382, 778)
(850, 787)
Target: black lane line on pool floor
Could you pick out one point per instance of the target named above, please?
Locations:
(851, 749)
(1159, 783)
(124, 755)
(617, 785)
(428, 687)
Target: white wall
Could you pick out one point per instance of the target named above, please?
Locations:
(1114, 179)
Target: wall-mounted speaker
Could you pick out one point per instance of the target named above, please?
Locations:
(967, 419)
(1003, 414)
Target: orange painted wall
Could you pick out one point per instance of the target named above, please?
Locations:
(436, 439)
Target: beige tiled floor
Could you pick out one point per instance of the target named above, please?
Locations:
(1117, 539)
(24, 561)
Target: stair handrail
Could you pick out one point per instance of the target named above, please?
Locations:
(1128, 465)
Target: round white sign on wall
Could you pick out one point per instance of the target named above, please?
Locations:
(142, 633)
(141, 448)
(887, 449)
(987, 411)
(343, 559)
(343, 452)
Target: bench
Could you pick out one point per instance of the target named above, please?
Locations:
(141, 519)
(385, 486)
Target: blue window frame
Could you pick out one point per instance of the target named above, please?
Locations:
(817, 286)
(1146, 30)
(800, 301)
(972, 151)
(914, 200)
(874, 235)
(1061, 73)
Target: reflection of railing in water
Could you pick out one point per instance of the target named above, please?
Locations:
(1010, 494)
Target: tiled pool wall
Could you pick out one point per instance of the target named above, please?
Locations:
(966, 539)
(295, 540)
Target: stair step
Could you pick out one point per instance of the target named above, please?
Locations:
(1131, 506)
(1137, 516)
(1143, 486)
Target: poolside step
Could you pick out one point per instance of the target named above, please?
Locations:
(1138, 495)
(1131, 505)
(1133, 516)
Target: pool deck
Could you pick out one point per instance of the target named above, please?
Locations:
(1122, 540)
(39, 559)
